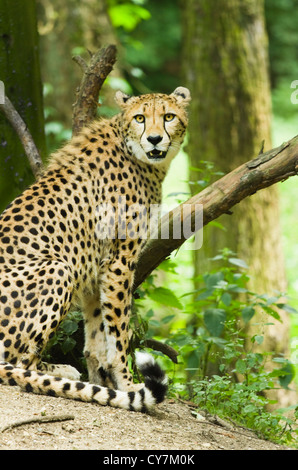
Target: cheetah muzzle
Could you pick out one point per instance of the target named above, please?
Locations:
(60, 247)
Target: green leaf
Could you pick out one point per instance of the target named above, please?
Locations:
(69, 327)
(257, 339)
(193, 360)
(211, 280)
(68, 345)
(247, 313)
(127, 15)
(214, 319)
(287, 373)
(273, 313)
(217, 258)
(287, 308)
(249, 409)
(238, 262)
(150, 313)
(241, 366)
(226, 298)
(205, 294)
(168, 266)
(167, 319)
(239, 290)
(165, 296)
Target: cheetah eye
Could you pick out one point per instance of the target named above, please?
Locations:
(169, 117)
(140, 118)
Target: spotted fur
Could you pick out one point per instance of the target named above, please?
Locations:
(64, 242)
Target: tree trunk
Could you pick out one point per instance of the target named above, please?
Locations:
(20, 73)
(79, 28)
(226, 69)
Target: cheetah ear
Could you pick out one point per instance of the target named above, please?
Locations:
(121, 99)
(182, 95)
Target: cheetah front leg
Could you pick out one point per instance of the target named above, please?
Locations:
(107, 331)
(95, 350)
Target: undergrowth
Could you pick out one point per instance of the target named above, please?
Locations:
(221, 368)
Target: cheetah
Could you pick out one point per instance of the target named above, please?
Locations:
(64, 243)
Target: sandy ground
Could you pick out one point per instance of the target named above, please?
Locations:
(173, 426)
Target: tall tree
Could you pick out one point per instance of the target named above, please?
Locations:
(20, 73)
(226, 68)
(69, 28)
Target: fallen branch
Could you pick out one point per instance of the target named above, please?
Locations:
(85, 107)
(39, 419)
(26, 138)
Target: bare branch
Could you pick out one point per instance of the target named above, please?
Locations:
(26, 138)
(85, 107)
(80, 61)
(38, 419)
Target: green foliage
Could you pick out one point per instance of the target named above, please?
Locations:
(127, 14)
(150, 32)
(165, 296)
(281, 19)
(215, 370)
(66, 346)
(55, 131)
(244, 402)
(207, 172)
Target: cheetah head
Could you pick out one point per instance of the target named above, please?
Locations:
(154, 125)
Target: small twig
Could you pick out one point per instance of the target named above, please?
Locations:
(40, 419)
(80, 61)
(262, 147)
(265, 157)
(26, 138)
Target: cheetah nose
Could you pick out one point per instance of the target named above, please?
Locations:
(154, 139)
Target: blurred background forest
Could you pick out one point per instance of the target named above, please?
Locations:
(239, 60)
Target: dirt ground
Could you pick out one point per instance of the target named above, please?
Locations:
(87, 426)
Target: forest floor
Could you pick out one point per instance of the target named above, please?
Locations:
(173, 426)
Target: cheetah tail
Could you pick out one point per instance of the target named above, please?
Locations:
(45, 384)
(155, 379)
